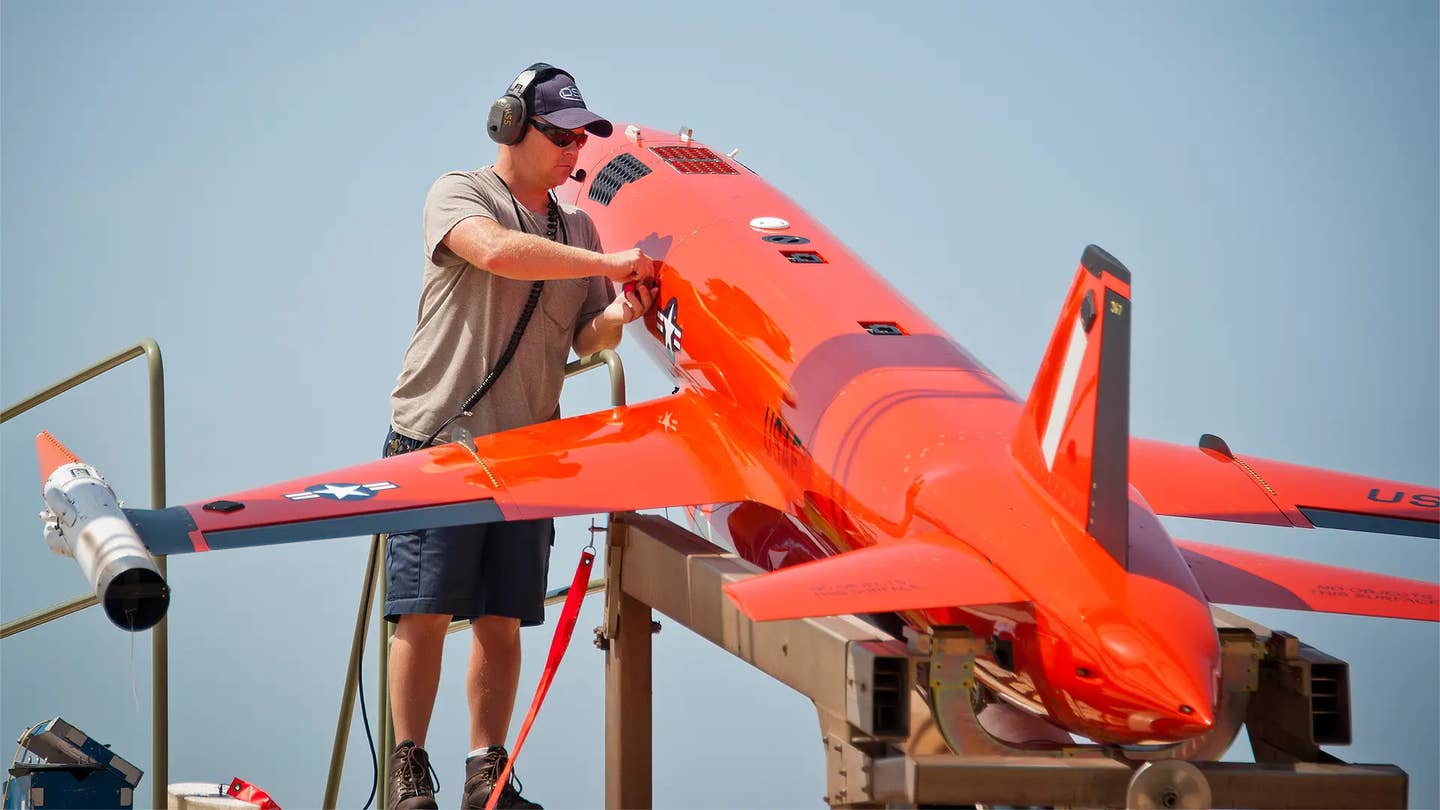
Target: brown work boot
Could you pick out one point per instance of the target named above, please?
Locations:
(480, 776)
(410, 785)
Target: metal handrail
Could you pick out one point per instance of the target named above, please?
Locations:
(605, 357)
(553, 597)
(352, 672)
(49, 614)
(160, 645)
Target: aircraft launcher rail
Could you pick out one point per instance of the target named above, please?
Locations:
(861, 679)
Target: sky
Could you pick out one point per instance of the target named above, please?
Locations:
(243, 183)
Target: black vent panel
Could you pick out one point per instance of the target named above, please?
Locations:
(883, 328)
(784, 239)
(891, 716)
(623, 169)
(1330, 703)
(803, 256)
(693, 160)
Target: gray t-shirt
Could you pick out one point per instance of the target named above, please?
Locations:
(467, 315)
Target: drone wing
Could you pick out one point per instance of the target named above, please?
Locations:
(672, 451)
(1213, 483)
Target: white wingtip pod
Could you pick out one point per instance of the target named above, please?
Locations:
(84, 520)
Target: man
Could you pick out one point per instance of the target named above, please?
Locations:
(490, 235)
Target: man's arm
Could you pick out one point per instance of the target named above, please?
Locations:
(485, 243)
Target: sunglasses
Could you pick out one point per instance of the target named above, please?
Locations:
(562, 138)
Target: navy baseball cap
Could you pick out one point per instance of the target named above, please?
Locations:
(559, 102)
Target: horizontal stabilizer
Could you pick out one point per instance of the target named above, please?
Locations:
(1075, 428)
(901, 575)
(1233, 577)
(1212, 483)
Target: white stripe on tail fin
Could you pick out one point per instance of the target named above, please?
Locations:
(1074, 432)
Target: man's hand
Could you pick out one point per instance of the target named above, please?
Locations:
(634, 300)
(630, 265)
(604, 330)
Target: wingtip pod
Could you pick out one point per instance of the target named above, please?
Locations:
(1074, 431)
(83, 520)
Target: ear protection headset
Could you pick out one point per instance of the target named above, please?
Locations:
(509, 114)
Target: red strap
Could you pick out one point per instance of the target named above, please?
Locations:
(564, 628)
(246, 792)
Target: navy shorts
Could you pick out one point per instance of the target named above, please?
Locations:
(487, 569)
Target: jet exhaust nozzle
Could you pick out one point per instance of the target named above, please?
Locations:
(83, 520)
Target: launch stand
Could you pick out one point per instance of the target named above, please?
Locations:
(861, 680)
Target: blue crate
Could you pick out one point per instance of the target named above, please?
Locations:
(72, 771)
(63, 786)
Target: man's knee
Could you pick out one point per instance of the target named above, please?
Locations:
(426, 626)
(500, 629)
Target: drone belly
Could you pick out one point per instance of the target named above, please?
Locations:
(763, 536)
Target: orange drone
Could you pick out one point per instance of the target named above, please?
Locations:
(844, 443)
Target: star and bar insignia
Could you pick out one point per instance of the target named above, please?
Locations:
(341, 492)
(670, 331)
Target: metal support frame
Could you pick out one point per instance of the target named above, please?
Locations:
(858, 676)
(845, 666)
(1304, 702)
(375, 578)
(160, 638)
(1098, 782)
(628, 725)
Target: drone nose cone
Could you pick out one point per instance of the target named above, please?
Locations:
(1171, 687)
(1202, 718)
(1162, 697)
(1160, 712)
(1183, 700)
(1190, 717)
